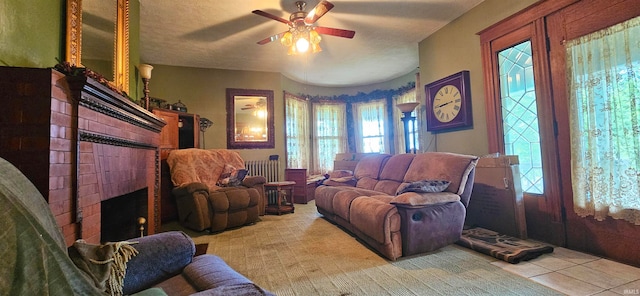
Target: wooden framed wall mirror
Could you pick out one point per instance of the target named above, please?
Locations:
(250, 119)
(98, 38)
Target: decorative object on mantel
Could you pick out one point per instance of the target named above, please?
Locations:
(145, 73)
(407, 109)
(70, 70)
(205, 123)
(179, 106)
(157, 103)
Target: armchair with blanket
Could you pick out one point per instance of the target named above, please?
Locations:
(35, 259)
(204, 197)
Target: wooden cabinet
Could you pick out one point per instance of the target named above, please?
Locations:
(182, 131)
(303, 191)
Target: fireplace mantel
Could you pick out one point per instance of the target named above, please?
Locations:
(80, 143)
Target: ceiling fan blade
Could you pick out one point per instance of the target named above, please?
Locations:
(271, 38)
(335, 32)
(318, 11)
(271, 16)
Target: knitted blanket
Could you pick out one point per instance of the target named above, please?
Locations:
(105, 264)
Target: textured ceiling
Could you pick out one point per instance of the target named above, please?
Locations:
(222, 34)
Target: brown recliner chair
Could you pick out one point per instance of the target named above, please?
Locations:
(202, 202)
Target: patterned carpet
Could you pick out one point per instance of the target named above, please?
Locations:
(303, 254)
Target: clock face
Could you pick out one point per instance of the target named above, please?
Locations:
(447, 103)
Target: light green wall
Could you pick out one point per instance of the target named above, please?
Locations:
(31, 32)
(454, 48)
(204, 93)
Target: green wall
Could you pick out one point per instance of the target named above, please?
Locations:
(203, 91)
(454, 48)
(31, 32)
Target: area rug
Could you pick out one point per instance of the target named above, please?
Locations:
(302, 254)
(500, 246)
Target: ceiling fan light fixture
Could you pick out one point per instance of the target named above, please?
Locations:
(302, 45)
(315, 48)
(302, 33)
(314, 37)
(287, 39)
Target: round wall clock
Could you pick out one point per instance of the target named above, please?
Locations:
(448, 102)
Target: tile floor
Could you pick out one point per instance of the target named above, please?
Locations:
(575, 273)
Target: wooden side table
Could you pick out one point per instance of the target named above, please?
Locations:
(283, 192)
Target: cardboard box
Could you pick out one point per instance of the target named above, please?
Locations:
(496, 200)
(348, 161)
(349, 165)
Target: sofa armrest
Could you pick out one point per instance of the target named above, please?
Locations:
(414, 199)
(190, 189)
(252, 181)
(212, 276)
(160, 256)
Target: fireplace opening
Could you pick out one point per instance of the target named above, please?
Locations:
(120, 215)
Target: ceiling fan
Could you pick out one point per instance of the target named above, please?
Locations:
(302, 33)
(259, 104)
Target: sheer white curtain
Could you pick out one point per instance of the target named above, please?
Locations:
(330, 135)
(604, 70)
(407, 97)
(297, 131)
(369, 119)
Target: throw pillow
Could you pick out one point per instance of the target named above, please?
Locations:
(231, 176)
(424, 186)
(340, 174)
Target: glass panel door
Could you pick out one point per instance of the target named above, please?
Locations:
(520, 114)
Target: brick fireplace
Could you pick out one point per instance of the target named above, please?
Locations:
(81, 144)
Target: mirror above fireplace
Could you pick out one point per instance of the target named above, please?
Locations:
(98, 38)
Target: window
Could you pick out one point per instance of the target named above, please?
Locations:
(330, 135)
(297, 131)
(604, 111)
(369, 118)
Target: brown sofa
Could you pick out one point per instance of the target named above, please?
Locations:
(408, 223)
(202, 202)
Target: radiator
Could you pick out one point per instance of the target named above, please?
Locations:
(266, 168)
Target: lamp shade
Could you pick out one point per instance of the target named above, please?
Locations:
(145, 70)
(407, 107)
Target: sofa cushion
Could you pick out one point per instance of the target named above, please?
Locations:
(452, 167)
(367, 183)
(374, 217)
(342, 203)
(370, 166)
(396, 166)
(420, 199)
(387, 186)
